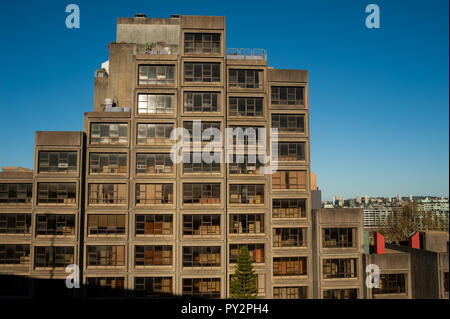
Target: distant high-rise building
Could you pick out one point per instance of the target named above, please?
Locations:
(410, 197)
(366, 199)
(358, 200)
(341, 201)
(390, 199)
(334, 200)
(399, 197)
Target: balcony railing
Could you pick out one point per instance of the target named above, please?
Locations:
(246, 54)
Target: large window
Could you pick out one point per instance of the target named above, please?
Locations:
(155, 103)
(290, 292)
(12, 254)
(291, 151)
(56, 193)
(154, 194)
(201, 225)
(154, 224)
(109, 133)
(201, 256)
(53, 257)
(340, 268)
(105, 255)
(246, 135)
(249, 79)
(105, 286)
(294, 123)
(153, 286)
(247, 194)
(153, 255)
(246, 167)
(61, 225)
(199, 193)
(107, 163)
(155, 133)
(156, 74)
(57, 162)
(202, 43)
(289, 208)
(154, 164)
(202, 167)
(15, 223)
(350, 293)
(201, 72)
(189, 126)
(289, 180)
(256, 252)
(391, 284)
(244, 107)
(338, 237)
(289, 237)
(201, 287)
(106, 194)
(102, 224)
(287, 95)
(13, 193)
(201, 102)
(289, 266)
(246, 223)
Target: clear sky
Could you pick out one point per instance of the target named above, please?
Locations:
(379, 99)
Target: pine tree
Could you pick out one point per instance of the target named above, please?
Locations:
(243, 282)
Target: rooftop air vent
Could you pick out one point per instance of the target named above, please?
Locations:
(140, 15)
(174, 16)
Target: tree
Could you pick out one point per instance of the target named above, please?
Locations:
(243, 281)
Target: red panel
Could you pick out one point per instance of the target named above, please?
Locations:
(379, 243)
(414, 240)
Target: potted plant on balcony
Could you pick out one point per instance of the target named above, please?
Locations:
(148, 47)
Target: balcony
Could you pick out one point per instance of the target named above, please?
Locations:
(246, 54)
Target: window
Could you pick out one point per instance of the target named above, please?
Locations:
(12, 254)
(243, 107)
(289, 122)
(107, 163)
(256, 252)
(53, 257)
(291, 151)
(208, 136)
(109, 133)
(102, 224)
(201, 287)
(105, 286)
(202, 167)
(247, 224)
(247, 166)
(154, 194)
(201, 72)
(339, 237)
(289, 208)
(15, 223)
(351, 293)
(289, 180)
(289, 266)
(56, 193)
(340, 268)
(283, 95)
(155, 103)
(201, 102)
(153, 286)
(154, 164)
(247, 194)
(289, 237)
(248, 79)
(105, 255)
(106, 194)
(202, 43)
(290, 292)
(154, 224)
(391, 284)
(246, 135)
(198, 193)
(156, 133)
(201, 256)
(200, 225)
(446, 281)
(57, 162)
(156, 74)
(60, 225)
(12, 193)
(153, 255)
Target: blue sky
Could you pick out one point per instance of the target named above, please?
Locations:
(379, 100)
